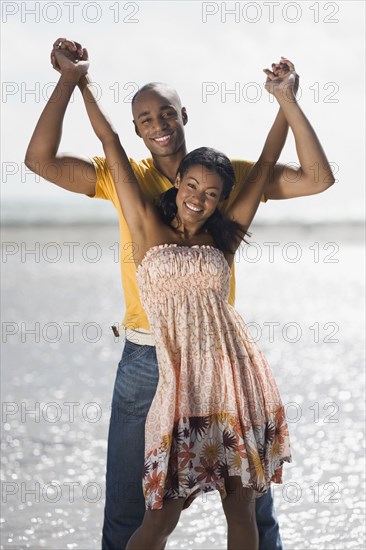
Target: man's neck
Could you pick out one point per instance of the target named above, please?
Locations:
(168, 165)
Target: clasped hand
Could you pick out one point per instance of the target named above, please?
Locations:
(282, 80)
(69, 56)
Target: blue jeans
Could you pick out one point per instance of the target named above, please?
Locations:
(134, 389)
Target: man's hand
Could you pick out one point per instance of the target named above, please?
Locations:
(67, 55)
(283, 79)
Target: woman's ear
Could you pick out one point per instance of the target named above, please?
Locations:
(177, 181)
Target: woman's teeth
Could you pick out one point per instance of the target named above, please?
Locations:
(192, 207)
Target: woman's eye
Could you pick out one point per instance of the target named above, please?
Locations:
(190, 185)
(213, 195)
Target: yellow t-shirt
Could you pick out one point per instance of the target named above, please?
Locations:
(153, 183)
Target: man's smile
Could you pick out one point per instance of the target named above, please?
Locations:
(162, 140)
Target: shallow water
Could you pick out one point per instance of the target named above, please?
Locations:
(58, 365)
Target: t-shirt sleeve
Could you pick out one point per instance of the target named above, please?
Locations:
(104, 188)
(241, 169)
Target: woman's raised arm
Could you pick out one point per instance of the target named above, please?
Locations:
(246, 203)
(138, 211)
(282, 84)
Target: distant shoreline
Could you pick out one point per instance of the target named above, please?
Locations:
(343, 232)
(109, 222)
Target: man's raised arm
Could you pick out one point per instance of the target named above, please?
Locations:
(73, 173)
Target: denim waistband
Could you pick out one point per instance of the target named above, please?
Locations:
(139, 336)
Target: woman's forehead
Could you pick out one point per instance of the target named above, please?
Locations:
(203, 175)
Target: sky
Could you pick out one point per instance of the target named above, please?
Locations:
(213, 53)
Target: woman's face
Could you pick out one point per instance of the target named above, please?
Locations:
(199, 193)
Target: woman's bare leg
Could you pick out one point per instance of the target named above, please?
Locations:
(239, 509)
(156, 526)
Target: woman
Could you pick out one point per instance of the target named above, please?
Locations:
(217, 421)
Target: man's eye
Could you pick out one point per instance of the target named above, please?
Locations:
(146, 121)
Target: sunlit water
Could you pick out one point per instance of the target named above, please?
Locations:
(58, 367)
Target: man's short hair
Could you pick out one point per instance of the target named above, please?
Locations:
(158, 86)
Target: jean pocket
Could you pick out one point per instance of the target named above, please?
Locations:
(136, 380)
(132, 351)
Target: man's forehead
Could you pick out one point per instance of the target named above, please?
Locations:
(163, 95)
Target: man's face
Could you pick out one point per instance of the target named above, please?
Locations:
(159, 120)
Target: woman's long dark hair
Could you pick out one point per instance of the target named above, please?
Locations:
(225, 232)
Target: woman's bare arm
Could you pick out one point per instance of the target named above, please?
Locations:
(308, 146)
(138, 211)
(246, 203)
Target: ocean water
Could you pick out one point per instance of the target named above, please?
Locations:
(301, 291)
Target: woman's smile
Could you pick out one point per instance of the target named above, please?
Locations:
(192, 207)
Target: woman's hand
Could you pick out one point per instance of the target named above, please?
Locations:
(283, 79)
(69, 56)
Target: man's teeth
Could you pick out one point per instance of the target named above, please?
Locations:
(194, 208)
(161, 139)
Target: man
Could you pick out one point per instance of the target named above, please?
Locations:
(159, 120)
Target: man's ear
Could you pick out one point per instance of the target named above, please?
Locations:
(136, 129)
(184, 116)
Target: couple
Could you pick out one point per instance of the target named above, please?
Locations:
(235, 439)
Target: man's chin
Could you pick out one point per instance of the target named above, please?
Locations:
(166, 152)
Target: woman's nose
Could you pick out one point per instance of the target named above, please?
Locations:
(200, 196)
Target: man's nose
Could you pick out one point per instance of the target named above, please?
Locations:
(160, 124)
